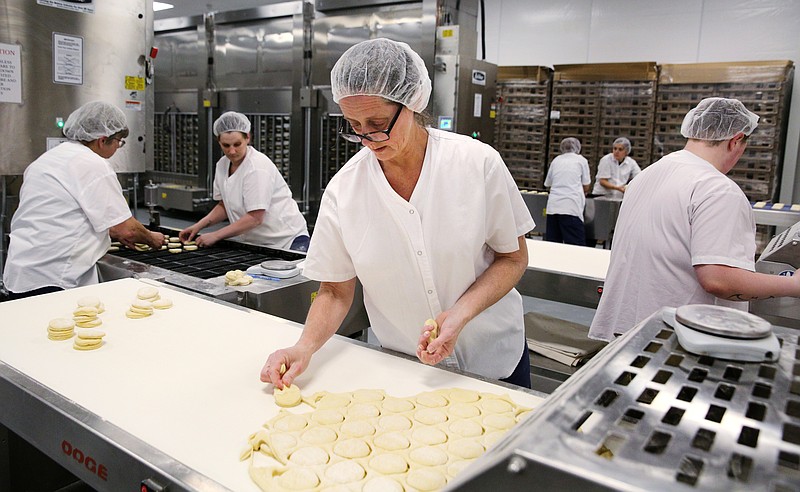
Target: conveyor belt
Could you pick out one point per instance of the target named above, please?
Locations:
(173, 397)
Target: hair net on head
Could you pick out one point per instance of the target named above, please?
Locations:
(570, 144)
(624, 142)
(385, 68)
(231, 121)
(716, 118)
(94, 120)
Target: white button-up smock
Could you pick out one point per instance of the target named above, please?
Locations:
(70, 198)
(618, 173)
(567, 175)
(416, 258)
(678, 213)
(258, 185)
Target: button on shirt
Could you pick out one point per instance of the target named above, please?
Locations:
(618, 173)
(678, 213)
(416, 258)
(566, 177)
(70, 198)
(258, 185)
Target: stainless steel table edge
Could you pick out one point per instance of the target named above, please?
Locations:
(93, 449)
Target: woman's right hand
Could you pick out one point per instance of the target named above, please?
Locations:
(293, 359)
(189, 233)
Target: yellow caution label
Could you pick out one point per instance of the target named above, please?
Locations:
(163, 195)
(447, 33)
(206, 103)
(134, 83)
(492, 114)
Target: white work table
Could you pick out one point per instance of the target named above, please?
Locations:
(183, 383)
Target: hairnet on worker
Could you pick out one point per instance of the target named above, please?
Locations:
(716, 119)
(624, 142)
(570, 144)
(94, 120)
(231, 121)
(385, 68)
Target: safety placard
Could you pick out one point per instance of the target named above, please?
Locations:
(10, 73)
(67, 59)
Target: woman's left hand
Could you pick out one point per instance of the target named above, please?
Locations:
(433, 352)
(207, 240)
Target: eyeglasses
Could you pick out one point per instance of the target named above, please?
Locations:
(377, 136)
(121, 142)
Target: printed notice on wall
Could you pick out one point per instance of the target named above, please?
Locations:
(10, 73)
(67, 59)
(85, 6)
(477, 104)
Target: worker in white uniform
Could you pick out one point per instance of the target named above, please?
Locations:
(251, 194)
(71, 205)
(615, 170)
(568, 180)
(429, 221)
(686, 232)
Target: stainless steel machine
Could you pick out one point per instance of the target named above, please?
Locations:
(647, 415)
(780, 257)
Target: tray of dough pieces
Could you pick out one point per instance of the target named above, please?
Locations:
(183, 383)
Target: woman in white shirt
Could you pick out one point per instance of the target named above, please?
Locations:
(615, 170)
(568, 180)
(250, 193)
(430, 222)
(71, 205)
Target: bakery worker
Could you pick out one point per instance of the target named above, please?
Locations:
(70, 203)
(568, 179)
(615, 170)
(686, 232)
(251, 194)
(431, 223)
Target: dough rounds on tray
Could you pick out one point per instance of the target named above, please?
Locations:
(366, 440)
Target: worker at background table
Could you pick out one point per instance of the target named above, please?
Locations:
(70, 203)
(615, 170)
(568, 180)
(430, 222)
(251, 194)
(686, 232)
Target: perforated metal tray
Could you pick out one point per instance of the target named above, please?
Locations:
(646, 415)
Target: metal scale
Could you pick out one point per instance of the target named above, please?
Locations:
(780, 257)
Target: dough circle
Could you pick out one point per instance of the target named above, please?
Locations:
(345, 472)
(298, 479)
(426, 479)
(309, 456)
(319, 435)
(388, 463)
(392, 441)
(394, 422)
(352, 448)
(428, 456)
(382, 484)
(289, 396)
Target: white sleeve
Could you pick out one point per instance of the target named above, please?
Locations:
(603, 169)
(328, 259)
(507, 217)
(723, 230)
(635, 169)
(585, 177)
(217, 196)
(103, 203)
(257, 189)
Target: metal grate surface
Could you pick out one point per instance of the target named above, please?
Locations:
(649, 414)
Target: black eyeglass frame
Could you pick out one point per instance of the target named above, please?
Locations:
(357, 137)
(120, 140)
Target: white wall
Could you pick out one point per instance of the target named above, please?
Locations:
(555, 32)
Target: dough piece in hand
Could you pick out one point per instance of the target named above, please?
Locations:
(434, 326)
(289, 396)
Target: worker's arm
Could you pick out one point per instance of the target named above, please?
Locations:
(737, 284)
(132, 231)
(246, 222)
(217, 214)
(327, 312)
(586, 188)
(605, 183)
(494, 283)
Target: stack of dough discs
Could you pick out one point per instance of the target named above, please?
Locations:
(88, 340)
(139, 309)
(92, 301)
(162, 303)
(60, 329)
(86, 317)
(141, 247)
(367, 440)
(237, 277)
(148, 294)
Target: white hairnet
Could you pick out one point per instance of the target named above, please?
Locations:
(385, 68)
(624, 142)
(716, 118)
(231, 121)
(94, 120)
(570, 144)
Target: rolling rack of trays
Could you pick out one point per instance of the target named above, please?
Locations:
(521, 128)
(597, 103)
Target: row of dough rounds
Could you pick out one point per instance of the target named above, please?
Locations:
(86, 317)
(171, 244)
(367, 440)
